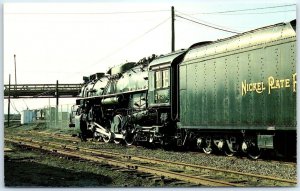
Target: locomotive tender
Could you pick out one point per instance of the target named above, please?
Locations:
(234, 94)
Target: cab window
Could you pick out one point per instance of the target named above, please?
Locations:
(162, 79)
(158, 79)
(165, 78)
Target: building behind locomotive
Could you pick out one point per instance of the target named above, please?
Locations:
(239, 93)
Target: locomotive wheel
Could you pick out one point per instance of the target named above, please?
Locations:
(129, 139)
(99, 139)
(228, 152)
(117, 141)
(107, 139)
(96, 137)
(254, 152)
(207, 147)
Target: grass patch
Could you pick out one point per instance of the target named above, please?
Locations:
(41, 126)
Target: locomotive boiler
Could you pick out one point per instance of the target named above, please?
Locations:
(234, 94)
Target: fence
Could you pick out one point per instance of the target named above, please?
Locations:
(57, 117)
(14, 119)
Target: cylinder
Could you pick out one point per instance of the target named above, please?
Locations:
(110, 101)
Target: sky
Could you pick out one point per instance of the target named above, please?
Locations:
(66, 41)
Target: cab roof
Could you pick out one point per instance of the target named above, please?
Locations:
(165, 60)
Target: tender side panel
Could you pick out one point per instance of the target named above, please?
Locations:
(182, 94)
(251, 88)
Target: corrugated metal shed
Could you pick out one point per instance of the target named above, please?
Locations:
(27, 116)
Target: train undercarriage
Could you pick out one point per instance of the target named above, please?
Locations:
(119, 125)
(252, 143)
(124, 130)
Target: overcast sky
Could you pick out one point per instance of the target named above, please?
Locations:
(65, 41)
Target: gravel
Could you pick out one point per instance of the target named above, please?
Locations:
(237, 163)
(242, 164)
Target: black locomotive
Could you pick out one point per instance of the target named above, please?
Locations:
(234, 94)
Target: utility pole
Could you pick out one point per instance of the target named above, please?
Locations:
(56, 109)
(173, 28)
(15, 71)
(8, 109)
(56, 92)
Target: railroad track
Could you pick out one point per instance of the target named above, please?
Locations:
(174, 169)
(71, 151)
(68, 137)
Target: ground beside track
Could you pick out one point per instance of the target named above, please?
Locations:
(277, 169)
(29, 168)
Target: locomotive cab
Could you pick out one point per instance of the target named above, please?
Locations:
(159, 91)
(160, 80)
(160, 96)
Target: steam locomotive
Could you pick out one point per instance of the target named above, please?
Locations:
(234, 94)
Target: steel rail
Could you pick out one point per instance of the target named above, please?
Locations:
(100, 159)
(191, 166)
(181, 165)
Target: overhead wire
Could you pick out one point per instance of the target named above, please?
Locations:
(262, 13)
(84, 13)
(241, 10)
(194, 20)
(25, 103)
(205, 23)
(210, 26)
(14, 107)
(130, 42)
